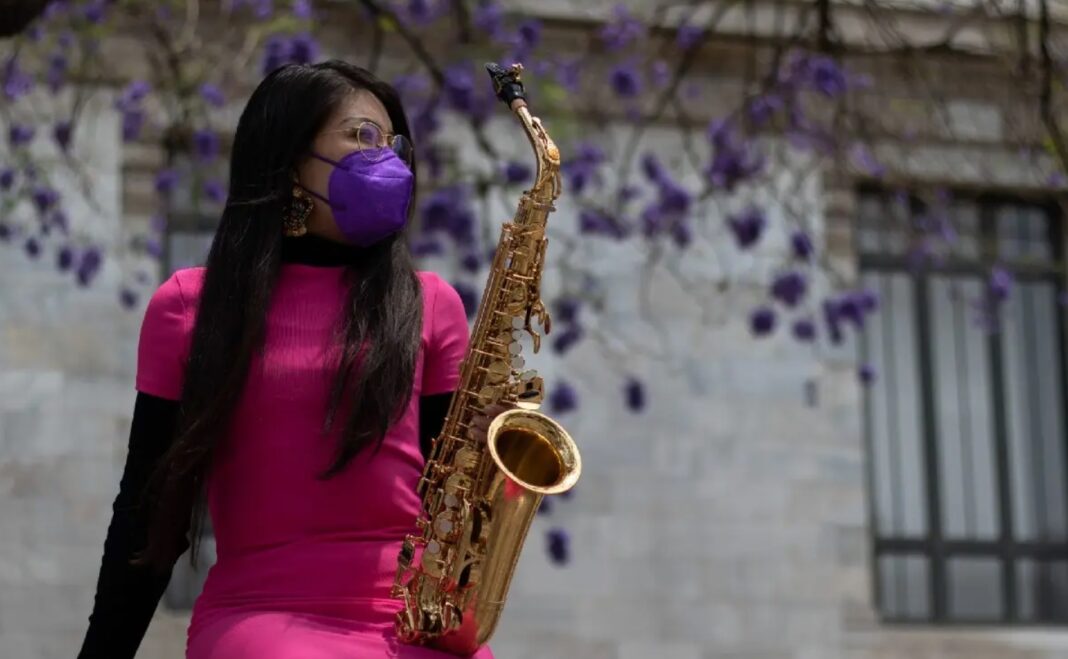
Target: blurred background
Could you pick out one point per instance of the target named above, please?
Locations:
(807, 277)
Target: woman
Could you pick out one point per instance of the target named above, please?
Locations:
(293, 384)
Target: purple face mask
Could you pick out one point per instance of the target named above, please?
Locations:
(369, 194)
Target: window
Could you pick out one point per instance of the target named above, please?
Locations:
(965, 421)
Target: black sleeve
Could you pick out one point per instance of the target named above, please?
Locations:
(127, 595)
(432, 412)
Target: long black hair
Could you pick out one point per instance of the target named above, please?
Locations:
(275, 131)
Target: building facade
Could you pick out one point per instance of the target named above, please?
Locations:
(765, 504)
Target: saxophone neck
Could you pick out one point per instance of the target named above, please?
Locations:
(547, 176)
(510, 90)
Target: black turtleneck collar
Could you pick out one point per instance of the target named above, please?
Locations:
(311, 249)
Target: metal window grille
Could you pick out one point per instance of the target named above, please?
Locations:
(965, 425)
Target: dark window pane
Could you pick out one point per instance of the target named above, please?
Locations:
(1034, 394)
(895, 414)
(188, 248)
(1023, 233)
(1042, 589)
(964, 216)
(974, 589)
(884, 222)
(964, 420)
(904, 586)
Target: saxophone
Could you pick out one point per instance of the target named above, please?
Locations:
(479, 499)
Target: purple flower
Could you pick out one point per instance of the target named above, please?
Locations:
(132, 95)
(7, 178)
(33, 247)
(488, 18)
(652, 168)
(57, 71)
(762, 108)
(460, 88)
(668, 211)
(94, 11)
(471, 262)
(582, 168)
(747, 226)
(60, 221)
(62, 132)
(563, 398)
(866, 162)
(568, 74)
(567, 309)
(56, 8)
(44, 198)
(5, 232)
(166, 180)
(833, 320)
(634, 394)
(303, 49)
(214, 191)
(804, 330)
(426, 123)
(625, 81)
(262, 9)
(802, 245)
(469, 297)
(689, 36)
(448, 209)
(427, 246)
(593, 222)
(564, 341)
(411, 86)
(681, 233)
(132, 121)
(546, 506)
(64, 258)
(89, 265)
(212, 95)
(558, 545)
(732, 160)
(275, 53)
(15, 82)
(19, 135)
(866, 374)
(528, 34)
(1000, 284)
(206, 145)
(421, 12)
(827, 76)
(154, 247)
(762, 321)
(128, 298)
(302, 9)
(622, 30)
(516, 172)
(867, 299)
(789, 288)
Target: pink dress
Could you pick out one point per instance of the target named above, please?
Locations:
(304, 565)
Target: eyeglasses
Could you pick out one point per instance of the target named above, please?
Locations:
(374, 141)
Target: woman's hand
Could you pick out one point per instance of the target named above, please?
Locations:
(481, 422)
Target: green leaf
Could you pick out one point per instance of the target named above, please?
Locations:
(386, 24)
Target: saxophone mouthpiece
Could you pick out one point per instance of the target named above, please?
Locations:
(507, 85)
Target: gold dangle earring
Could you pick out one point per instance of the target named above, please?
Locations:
(295, 222)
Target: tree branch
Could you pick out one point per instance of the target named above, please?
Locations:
(1049, 117)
